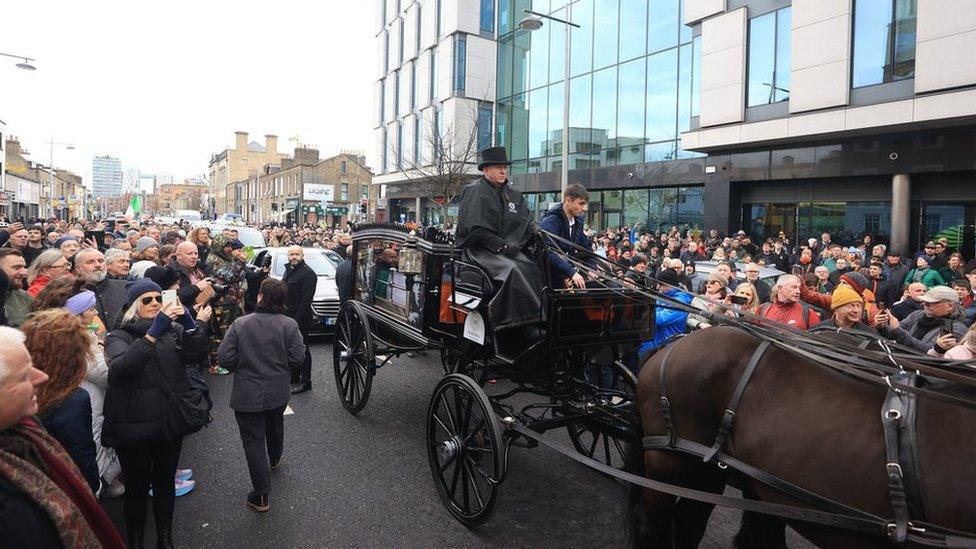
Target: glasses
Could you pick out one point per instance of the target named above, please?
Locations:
(713, 282)
(149, 299)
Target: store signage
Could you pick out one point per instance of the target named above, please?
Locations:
(318, 192)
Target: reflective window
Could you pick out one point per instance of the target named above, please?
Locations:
(503, 136)
(696, 76)
(538, 56)
(884, 41)
(582, 40)
(554, 139)
(633, 29)
(663, 24)
(684, 88)
(433, 75)
(630, 104)
(662, 95)
(605, 103)
(418, 136)
(460, 62)
(538, 117)
(484, 126)
(519, 116)
(605, 23)
(413, 86)
(579, 114)
(488, 15)
(396, 95)
(769, 58)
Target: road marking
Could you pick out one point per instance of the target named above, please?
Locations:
(288, 410)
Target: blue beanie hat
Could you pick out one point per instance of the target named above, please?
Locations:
(62, 240)
(138, 288)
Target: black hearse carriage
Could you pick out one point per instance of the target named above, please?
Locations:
(415, 293)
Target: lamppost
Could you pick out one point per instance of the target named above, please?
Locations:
(50, 180)
(534, 22)
(25, 64)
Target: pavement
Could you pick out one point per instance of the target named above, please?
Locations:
(364, 481)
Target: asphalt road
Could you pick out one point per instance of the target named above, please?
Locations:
(364, 481)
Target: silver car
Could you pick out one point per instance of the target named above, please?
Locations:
(325, 303)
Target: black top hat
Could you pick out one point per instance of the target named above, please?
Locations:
(493, 156)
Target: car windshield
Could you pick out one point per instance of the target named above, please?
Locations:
(316, 260)
(250, 237)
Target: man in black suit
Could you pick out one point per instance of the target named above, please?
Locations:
(301, 281)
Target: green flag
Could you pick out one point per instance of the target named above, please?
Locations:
(135, 206)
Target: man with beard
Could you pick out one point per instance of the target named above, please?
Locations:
(301, 281)
(17, 302)
(495, 227)
(89, 265)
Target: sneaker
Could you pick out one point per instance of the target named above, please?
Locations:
(182, 487)
(258, 502)
(218, 371)
(184, 474)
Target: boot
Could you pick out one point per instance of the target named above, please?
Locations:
(135, 537)
(164, 537)
(258, 501)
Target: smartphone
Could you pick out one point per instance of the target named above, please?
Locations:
(881, 306)
(110, 225)
(946, 326)
(739, 299)
(97, 236)
(797, 270)
(169, 296)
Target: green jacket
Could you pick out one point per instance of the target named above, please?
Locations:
(17, 307)
(930, 278)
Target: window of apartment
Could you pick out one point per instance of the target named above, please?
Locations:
(401, 33)
(417, 138)
(384, 165)
(433, 77)
(436, 132)
(418, 26)
(386, 52)
(884, 41)
(488, 15)
(342, 167)
(399, 147)
(484, 126)
(460, 63)
(344, 192)
(363, 192)
(396, 95)
(413, 85)
(769, 58)
(437, 16)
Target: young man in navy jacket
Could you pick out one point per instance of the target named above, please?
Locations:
(566, 220)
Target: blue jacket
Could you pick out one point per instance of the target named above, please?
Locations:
(70, 422)
(668, 322)
(555, 222)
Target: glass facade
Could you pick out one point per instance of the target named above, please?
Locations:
(460, 63)
(884, 41)
(769, 58)
(847, 222)
(487, 15)
(656, 208)
(632, 72)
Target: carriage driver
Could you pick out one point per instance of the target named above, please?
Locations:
(494, 228)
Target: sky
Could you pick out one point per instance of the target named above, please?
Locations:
(163, 85)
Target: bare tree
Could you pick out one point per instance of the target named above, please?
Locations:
(447, 159)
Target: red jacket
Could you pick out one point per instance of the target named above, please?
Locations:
(798, 315)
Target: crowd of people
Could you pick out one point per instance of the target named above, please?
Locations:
(108, 332)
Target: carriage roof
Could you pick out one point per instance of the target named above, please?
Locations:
(433, 240)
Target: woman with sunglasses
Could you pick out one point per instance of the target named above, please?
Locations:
(147, 357)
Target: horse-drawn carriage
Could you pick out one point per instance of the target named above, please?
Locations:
(416, 293)
(860, 481)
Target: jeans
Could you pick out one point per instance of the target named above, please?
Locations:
(263, 436)
(144, 465)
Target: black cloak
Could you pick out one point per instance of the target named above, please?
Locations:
(492, 221)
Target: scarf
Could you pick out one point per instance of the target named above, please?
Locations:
(919, 273)
(34, 462)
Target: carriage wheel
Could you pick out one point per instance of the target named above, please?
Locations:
(456, 363)
(352, 358)
(464, 449)
(597, 438)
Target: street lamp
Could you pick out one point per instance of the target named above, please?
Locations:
(534, 22)
(50, 180)
(25, 64)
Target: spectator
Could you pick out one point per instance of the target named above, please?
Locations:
(778, 257)
(824, 284)
(145, 254)
(965, 349)
(727, 270)
(805, 263)
(35, 241)
(301, 281)
(669, 321)
(966, 299)
(48, 265)
(894, 269)
(59, 347)
(117, 264)
(16, 300)
(759, 287)
(637, 274)
(262, 348)
(909, 302)
(68, 245)
(924, 273)
(200, 236)
(89, 265)
(937, 327)
(195, 288)
(147, 358)
(748, 291)
(954, 268)
(842, 266)
(166, 252)
(858, 282)
(786, 307)
(18, 241)
(345, 277)
(44, 501)
(695, 280)
(716, 287)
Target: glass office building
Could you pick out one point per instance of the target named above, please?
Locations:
(632, 76)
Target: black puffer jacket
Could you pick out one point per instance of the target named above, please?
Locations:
(135, 403)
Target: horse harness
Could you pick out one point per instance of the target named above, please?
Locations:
(901, 465)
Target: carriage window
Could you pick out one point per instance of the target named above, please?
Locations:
(386, 284)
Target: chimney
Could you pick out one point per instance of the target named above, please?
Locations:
(271, 144)
(241, 143)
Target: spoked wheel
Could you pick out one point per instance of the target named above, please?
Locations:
(464, 449)
(352, 357)
(601, 435)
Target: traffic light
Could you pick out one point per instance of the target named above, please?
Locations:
(363, 205)
(274, 206)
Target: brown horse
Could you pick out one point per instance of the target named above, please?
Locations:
(808, 424)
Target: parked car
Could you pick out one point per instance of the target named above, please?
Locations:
(333, 257)
(230, 218)
(766, 274)
(325, 303)
(248, 235)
